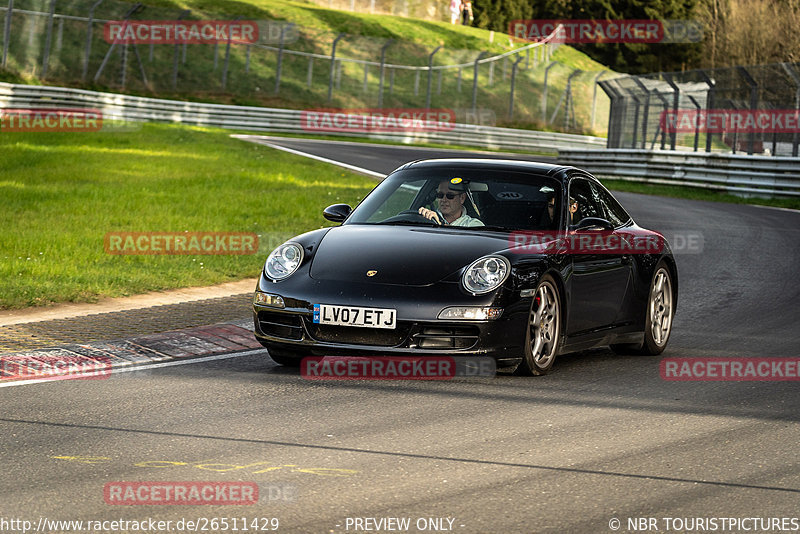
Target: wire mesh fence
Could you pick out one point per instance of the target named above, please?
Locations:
(751, 110)
(68, 42)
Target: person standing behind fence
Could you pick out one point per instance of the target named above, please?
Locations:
(455, 11)
(466, 13)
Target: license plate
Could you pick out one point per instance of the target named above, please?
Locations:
(355, 316)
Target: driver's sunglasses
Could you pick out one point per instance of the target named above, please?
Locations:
(450, 196)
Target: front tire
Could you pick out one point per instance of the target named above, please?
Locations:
(543, 330)
(286, 358)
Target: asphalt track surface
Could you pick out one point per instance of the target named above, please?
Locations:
(602, 437)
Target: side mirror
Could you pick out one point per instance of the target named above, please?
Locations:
(592, 224)
(337, 212)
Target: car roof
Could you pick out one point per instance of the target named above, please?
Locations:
(536, 167)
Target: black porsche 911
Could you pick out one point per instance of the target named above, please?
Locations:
(516, 260)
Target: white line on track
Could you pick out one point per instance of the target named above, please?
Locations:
(361, 170)
(134, 367)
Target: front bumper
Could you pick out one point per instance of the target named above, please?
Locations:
(417, 332)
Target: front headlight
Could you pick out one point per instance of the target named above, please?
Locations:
(486, 274)
(283, 261)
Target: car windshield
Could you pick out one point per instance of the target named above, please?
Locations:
(468, 198)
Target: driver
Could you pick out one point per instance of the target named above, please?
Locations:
(451, 208)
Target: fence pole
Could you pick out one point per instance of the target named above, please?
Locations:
(696, 122)
(89, 40)
(309, 75)
(544, 92)
(280, 56)
(383, 63)
(7, 31)
(646, 113)
(594, 95)
(48, 38)
(124, 64)
(114, 44)
(228, 56)
(475, 81)
(430, 76)
(676, 98)
(753, 105)
(793, 74)
(333, 66)
(184, 13)
(513, 81)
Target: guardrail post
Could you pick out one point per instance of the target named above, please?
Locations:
(385, 46)
(89, 40)
(753, 104)
(544, 91)
(513, 82)
(430, 75)
(475, 82)
(48, 38)
(7, 31)
(183, 13)
(333, 65)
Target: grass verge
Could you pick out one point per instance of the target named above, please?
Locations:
(62, 193)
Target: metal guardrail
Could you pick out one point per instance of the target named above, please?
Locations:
(142, 109)
(732, 173)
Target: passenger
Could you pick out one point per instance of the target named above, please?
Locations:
(451, 208)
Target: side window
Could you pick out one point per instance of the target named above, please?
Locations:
(615, 213)
(582, 192)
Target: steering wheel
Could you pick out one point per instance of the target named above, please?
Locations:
(410, 216)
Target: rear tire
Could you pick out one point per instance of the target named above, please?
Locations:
(658, 316)
(543, 331)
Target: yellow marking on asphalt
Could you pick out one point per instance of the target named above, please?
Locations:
(84, 459)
